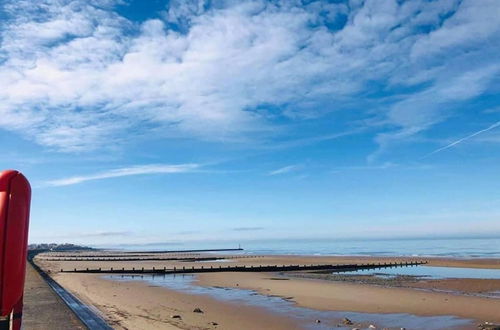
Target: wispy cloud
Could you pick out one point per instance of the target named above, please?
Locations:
(104, 234)
(188, 232)
(248, 228)
(285, 169)
(126, 171)
(152, 244)
(495, 125)
(383, 166)
(95, 234)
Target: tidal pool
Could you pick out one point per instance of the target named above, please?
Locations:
(431, 272)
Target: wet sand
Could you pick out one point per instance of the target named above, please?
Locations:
(333, 295)
(464, 286)
(139, 305)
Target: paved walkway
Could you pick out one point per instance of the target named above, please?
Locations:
(43, 309)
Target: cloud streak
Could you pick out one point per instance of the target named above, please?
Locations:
(103, 234)
(126, 171)
(248, 228)
(284, 170)
(448, 146)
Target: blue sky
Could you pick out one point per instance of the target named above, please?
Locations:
(166, 121)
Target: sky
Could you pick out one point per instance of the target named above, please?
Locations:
(142, 122)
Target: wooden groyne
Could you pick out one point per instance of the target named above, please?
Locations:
(260, 268)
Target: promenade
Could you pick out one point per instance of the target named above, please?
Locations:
(43, 309)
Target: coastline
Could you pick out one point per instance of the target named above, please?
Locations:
(141, 304)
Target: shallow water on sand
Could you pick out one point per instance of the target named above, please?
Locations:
(431, 272)
(306, 316)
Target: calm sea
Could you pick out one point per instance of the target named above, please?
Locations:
(456, 248)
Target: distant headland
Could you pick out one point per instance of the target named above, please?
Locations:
(58, 247)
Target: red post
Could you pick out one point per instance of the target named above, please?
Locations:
(15, 197)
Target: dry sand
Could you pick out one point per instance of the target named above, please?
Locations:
(137, 305)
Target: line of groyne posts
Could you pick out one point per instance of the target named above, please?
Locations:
(251, 268)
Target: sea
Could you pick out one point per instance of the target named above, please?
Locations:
(449, 247)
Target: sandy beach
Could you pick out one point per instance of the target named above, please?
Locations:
(142, 305)
(329, 295)
(136, 305)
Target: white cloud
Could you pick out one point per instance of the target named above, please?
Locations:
(76, 75)
(285, 169)
(126, 171)
(472, 23)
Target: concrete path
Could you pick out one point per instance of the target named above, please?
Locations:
(43, 309)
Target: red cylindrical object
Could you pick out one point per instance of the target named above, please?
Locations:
(15, 198)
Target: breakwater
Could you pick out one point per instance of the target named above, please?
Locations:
(244, 268)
